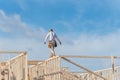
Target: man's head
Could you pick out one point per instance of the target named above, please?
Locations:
(51, 30)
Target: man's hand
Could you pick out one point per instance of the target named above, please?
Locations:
(44, 42)
(60, 43)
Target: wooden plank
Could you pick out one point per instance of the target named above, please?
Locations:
(113, 66)
(26, 66)
(12, 52)
(89, 71)
(77, 56)
(12, 59)
(30, 62)
(2, 63)
(107, 69)
(34, 62)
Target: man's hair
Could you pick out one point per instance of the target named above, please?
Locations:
(51, 29)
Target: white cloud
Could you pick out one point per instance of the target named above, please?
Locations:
(35, 49)
(14, 25)
(24, 36)
(88, 44)
(91, 44)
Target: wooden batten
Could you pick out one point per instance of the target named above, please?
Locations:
(30, 62)
(77, 56)
(20, 68)
(34, 62)
(12, 52)
(89, 71)
(2, 63)
(15, 67)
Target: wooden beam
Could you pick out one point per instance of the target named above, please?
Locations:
(77, 56)
(12, 52)
(113, 64)
(30, 62)
(3, 63)
(89, 71)
(113, 67)
(34, 62)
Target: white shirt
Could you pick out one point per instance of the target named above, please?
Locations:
(52, 36)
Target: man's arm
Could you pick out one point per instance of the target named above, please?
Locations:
(58, 39)
(46, 38)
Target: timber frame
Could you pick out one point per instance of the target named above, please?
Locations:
(52, 69)
(20, 68)
(15, 68)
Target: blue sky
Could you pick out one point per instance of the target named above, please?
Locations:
(85, 27)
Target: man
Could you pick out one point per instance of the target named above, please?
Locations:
(52, 41)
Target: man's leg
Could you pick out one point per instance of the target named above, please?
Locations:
(52, 50)
(50, 47)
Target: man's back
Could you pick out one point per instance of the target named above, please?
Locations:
(52, 36)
